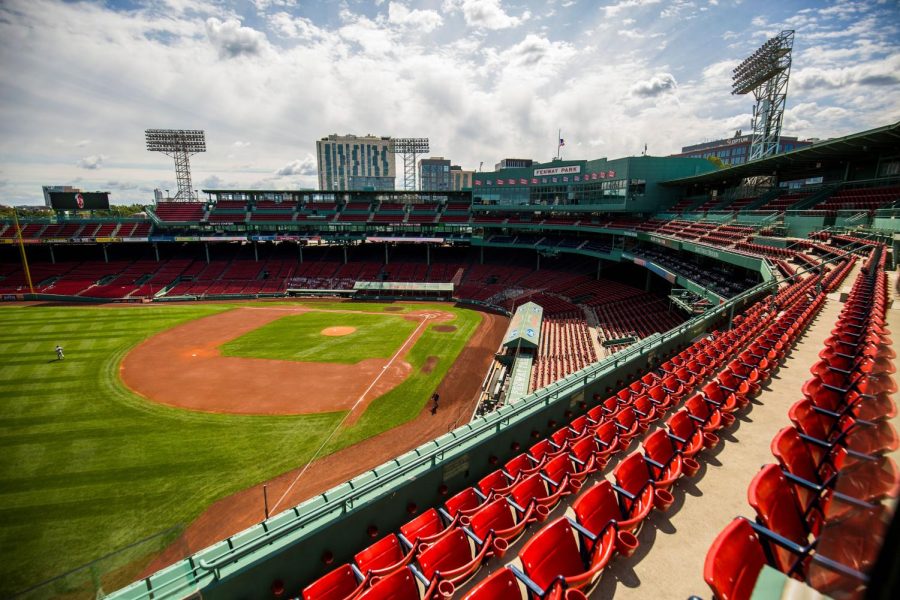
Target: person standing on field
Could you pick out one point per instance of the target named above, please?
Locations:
(59, 353)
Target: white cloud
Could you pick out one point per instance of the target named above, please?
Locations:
(424, 21)
(305, 166)
(486, 14)
(92, 163)
(614, 9)
(880, 73)
(264, 5)
(661, 83)
(284, 77)
(296, 27)
(231, 39)
(82, 143)
(535, 49)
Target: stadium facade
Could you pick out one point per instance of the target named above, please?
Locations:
(736, 150)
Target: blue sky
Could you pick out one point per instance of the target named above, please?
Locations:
(483, 79)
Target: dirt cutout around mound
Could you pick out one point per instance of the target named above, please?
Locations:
(430, 363)
(338, 331)
(183, 367)
(239, 511)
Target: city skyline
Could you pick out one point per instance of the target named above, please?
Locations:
(80, 81)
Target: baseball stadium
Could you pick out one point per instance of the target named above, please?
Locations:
(633, 377)
(639, 377)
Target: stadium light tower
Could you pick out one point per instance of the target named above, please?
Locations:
(180, 144)
(765, 73)
(409, 148)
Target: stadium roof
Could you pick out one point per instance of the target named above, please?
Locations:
(805, 162)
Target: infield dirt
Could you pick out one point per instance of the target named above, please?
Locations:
(245, 508)
(183, 367)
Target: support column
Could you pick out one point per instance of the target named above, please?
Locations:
(300, 249)
(481, 255)
(428, 254)
(647, 282)
(105, 255)
(599, 267)
(385, 253)
(255, 252)
(52, 257)
(345, 255)
(206, 248)
(156, 250)
(538, 266)
(730, 316)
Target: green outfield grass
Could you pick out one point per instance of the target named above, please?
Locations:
(299, 337)
(87, 467)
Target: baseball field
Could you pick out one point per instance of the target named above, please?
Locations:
(158, 412)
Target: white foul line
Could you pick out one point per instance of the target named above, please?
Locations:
(349, 412)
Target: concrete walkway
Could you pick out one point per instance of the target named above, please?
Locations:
(669, 562)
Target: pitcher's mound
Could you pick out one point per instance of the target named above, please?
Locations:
(338, 331)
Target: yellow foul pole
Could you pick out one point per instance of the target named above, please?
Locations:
(22, 249)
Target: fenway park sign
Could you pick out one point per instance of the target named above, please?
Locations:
(557, 170)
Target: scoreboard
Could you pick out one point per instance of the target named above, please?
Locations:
(79, 200)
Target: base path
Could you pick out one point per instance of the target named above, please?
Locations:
(239, 511)
(183, 367)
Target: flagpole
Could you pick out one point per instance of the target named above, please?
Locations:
(558, 147)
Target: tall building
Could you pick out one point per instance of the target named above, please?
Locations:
(434, 174)
(351, 162)
(735, 150)
(514, 163)
(460, 179)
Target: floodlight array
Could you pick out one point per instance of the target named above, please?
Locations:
(766, 62)
(409, 145)
(176, 140)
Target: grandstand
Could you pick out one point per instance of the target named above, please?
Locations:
(637, 437)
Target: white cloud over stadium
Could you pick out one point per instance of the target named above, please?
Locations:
(482, 80)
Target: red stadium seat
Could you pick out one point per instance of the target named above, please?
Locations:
(777, 509)
(426, 528)
(383, 557)
(455, 557)
(535, 489)
(404, 585)
(556, 552)
(340, 584)
(465, 502)
(665, 462)
(734, 561)
(633, 481)
(688, 435)
(500, 518)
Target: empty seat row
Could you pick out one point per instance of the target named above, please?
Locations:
(821, 511)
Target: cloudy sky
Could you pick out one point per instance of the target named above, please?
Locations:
(483, 79)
